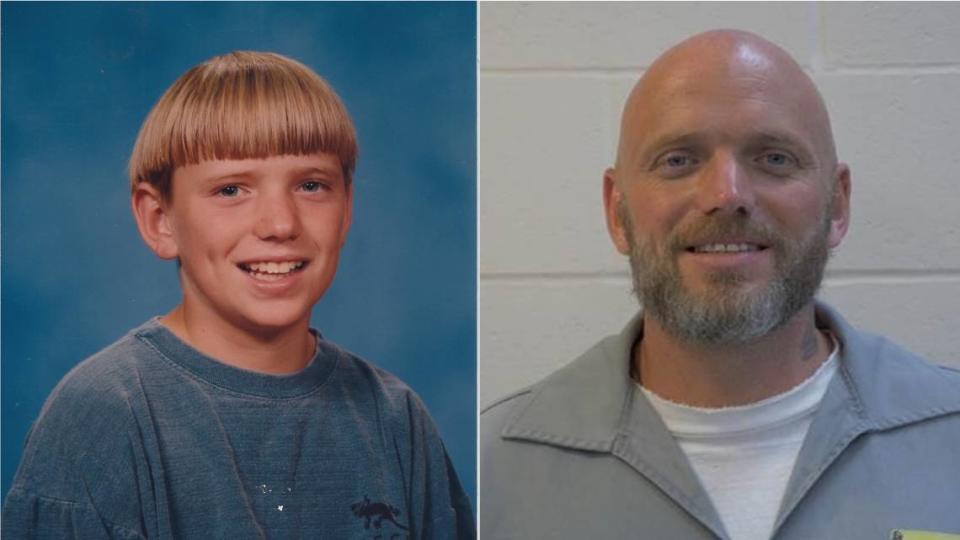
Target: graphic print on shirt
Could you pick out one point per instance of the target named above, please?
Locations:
(376, 513)
(278, 503)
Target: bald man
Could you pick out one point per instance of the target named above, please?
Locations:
(734, 405)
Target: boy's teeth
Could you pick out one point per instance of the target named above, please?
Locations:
(274, 267)
(725, 248)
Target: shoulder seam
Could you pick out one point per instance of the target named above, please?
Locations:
(84, 506)
(922, 416)
(951, 369)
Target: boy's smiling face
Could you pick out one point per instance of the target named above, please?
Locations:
(258, 239)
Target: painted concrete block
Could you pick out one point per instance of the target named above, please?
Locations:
(920, 315)
(880, 34)
(619, 35)
(899, 135)
(529, 328)
(542, 153)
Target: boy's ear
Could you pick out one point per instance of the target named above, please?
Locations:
(347, 216)
(153, 220)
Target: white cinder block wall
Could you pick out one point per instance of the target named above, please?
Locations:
(553, 78)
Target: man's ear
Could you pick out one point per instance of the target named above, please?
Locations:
(153, 220)
(840, 205)
(612, 204)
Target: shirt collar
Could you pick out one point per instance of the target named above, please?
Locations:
(593, 405)
(587, 403)
(582, 405)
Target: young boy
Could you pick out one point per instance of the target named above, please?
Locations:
(229, 417)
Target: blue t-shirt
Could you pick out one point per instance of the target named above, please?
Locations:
(149, 438)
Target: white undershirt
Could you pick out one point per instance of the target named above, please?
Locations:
(744, 455)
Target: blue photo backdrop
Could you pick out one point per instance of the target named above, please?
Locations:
(78, 79)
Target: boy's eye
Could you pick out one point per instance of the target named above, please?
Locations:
(312, 186)
(229, 191)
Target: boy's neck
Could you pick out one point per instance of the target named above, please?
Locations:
(279, 352)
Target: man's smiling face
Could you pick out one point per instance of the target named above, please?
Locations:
(726, 194)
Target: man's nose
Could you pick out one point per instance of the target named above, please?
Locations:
(278, 217)
(725, 186)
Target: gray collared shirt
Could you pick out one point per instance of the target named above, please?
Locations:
(582, 454)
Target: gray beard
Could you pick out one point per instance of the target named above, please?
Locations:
(726, 313)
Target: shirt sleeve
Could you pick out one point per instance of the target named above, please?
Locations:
(30, 516)
(83, 473)
(442, 506)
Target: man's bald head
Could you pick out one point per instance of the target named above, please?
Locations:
(714, 64)
(725, 146)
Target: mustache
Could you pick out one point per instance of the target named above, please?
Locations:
(722, 228)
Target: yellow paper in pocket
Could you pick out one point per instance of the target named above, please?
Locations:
(906, 534)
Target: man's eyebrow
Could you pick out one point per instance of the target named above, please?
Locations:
(793, 142)
(777, 137)
(666, 140)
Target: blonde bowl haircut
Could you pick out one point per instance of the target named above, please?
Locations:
(241, 105)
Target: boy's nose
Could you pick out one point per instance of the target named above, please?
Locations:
(278, 219)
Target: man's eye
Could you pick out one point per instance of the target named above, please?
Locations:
(229, 191)
(677, 161)
(776, 159)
